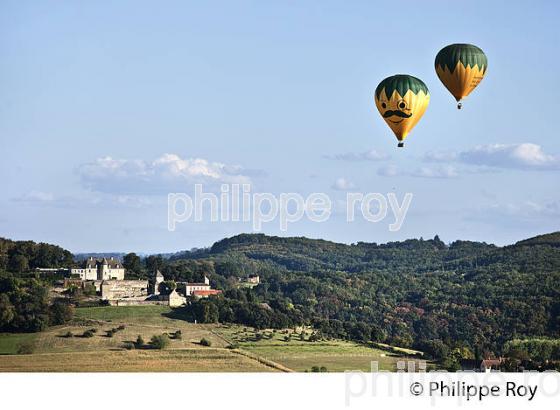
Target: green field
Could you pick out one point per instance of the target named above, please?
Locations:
(10, 342)
(130, 314)
(334, 355)
(55, 350)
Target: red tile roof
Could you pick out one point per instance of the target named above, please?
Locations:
(206, 292)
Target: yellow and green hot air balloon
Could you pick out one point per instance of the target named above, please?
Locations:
(461, 67)
(402, 100)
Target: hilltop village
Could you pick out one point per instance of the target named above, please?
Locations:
(108, 277)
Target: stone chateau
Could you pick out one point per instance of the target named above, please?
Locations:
(104, 269)
(107, 275)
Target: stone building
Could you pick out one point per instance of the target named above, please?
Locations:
(191, 287)
(197, 294)
(158, 279)
(104, 269)
(122, 289)
(174, 299)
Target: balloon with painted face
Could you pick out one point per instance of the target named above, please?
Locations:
(461, 67)
(402, 100)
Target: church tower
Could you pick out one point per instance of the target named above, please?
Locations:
(158, 278)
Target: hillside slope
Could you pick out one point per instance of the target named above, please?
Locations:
(411, 293)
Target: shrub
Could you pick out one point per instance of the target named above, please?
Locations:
(69, 334)
(323, 369)
(111, 333)
(177, 335)
(129, 346)
(93, 330)
(121, 327)
(88, 333)
(159, 342)
(139, 342)
(232, 345)
(205, 342)
(26, 348)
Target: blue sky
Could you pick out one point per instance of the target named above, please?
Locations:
(93, 94)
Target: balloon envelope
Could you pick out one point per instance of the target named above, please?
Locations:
(461, 67)
(402, 100)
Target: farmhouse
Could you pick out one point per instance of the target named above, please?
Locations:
(249, 282)
(190, 287)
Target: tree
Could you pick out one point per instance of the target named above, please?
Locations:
(60, 312)
(7, 311)
(154, 262)
(132, 263)
(206, 311)
(18, 263)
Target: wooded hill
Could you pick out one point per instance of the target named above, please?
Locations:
(420, 293)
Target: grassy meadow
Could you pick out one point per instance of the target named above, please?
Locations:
(233, 348)
(300, 354)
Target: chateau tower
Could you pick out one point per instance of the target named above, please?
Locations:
(158, 278)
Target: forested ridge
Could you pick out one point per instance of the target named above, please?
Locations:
(420, 293)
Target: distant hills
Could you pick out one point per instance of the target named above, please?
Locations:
(98, 255)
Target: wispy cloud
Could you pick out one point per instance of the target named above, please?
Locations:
(88, 200)
(371, 155)
(342, 184)
(168, 173)
(390, 170)
(525, 156)
(442, 171)
(527, 213)
(439, 156)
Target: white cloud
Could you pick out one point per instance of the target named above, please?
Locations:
(523, 156)
(371, 155)
(531, 214)
(527, 156)
(439, 156)
(389, 171)
(342, 184)
(168, 173)
(36, 196)
(444, 171)
(88, 200)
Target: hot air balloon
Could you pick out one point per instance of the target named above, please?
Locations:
(461, 67)
(402, 100)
